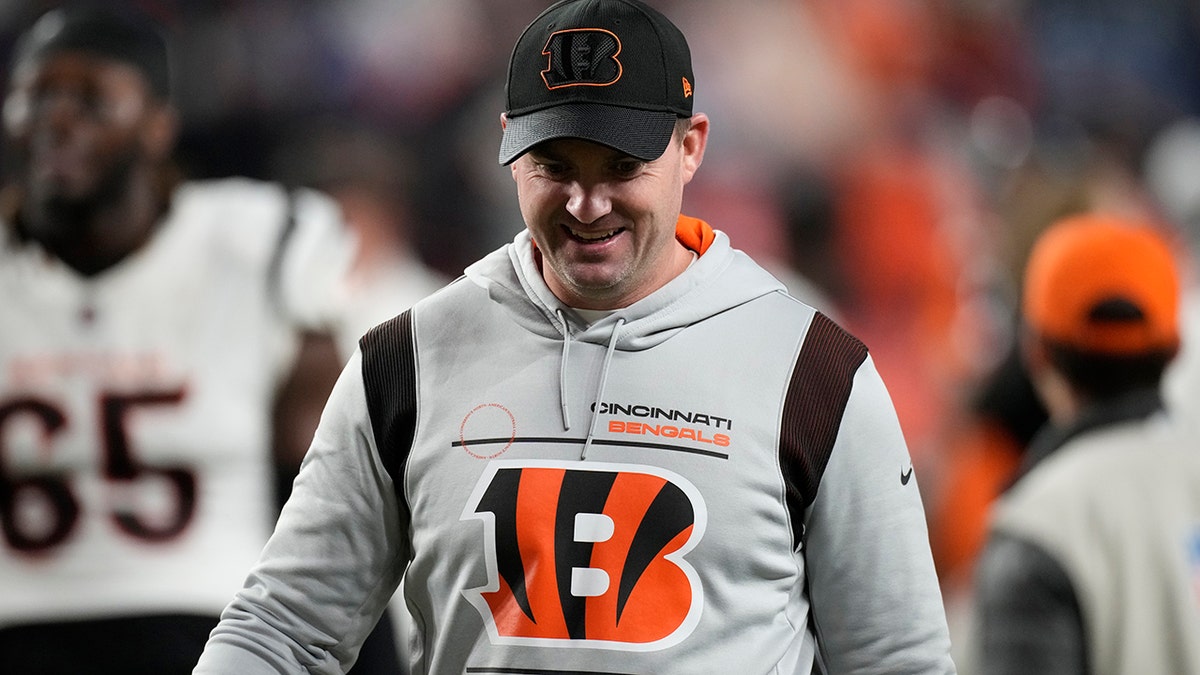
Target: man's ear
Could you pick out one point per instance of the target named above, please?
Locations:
(160, 131)
(694, 143)
(503, 120)
(1057, 395)
(1033, 351)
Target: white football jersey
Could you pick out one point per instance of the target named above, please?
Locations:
(135, 406)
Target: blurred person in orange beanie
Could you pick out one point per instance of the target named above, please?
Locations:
(1093, 554)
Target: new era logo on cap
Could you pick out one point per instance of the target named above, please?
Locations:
(615, 72)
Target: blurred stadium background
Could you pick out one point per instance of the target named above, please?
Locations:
(891, 159)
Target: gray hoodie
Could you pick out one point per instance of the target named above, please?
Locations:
(710, 480)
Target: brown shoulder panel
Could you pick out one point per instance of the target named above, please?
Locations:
(389, 371)
(812, 412)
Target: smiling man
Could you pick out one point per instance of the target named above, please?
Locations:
(604, 222)
(616, 445)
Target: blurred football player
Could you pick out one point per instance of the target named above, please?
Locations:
(149, 329)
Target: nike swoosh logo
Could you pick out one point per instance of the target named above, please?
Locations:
(905, 476)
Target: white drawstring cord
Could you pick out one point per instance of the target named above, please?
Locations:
(562, 370)
(612, 345)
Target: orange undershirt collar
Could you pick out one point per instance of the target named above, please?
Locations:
(694, 233)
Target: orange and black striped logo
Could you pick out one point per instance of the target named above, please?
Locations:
(588, 554)
(582, 57)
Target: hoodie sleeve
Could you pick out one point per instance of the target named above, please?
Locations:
(876, 602)
(333, 563)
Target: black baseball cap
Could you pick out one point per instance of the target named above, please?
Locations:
(120, 35)
(615, 72)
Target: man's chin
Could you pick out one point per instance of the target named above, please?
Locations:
(596, 292)
(593, 280)
(58, 189)
(62, 205)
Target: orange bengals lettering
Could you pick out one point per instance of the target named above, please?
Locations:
(667, 431)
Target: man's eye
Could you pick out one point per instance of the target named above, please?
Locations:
(553, 168)
(627, 168)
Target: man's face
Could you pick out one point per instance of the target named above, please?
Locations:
(75, 123)
(604, 222)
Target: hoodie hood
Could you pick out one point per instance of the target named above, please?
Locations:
(721, 278)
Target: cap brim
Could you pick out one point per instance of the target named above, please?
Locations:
(643, 134)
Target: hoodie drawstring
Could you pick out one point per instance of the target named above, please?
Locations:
(612, 345)
(562, 370)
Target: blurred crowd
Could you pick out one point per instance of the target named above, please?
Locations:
(891, 160)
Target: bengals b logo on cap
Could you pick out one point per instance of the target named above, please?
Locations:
(582, 57)
(588, 555)
(614, 72)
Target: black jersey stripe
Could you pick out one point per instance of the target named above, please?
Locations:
(389, 371)
(275, 268)
(522, 440)
(511, 670)
(812, 411)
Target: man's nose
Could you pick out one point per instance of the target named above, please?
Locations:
(588, 202)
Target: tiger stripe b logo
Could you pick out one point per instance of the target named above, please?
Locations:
(582, 57)
(588, 554)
